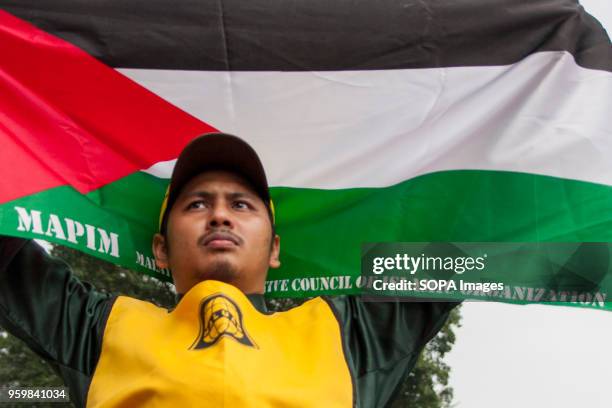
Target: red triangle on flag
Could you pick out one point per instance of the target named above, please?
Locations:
(68, 119)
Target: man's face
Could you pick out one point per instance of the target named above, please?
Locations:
(218, 228)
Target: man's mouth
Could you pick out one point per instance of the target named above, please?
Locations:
(220, 240)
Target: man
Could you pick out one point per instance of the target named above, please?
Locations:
(219, 346)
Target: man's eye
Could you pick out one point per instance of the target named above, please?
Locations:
(241, 205)
(196, 205)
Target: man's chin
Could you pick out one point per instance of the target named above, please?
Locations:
(220, 270)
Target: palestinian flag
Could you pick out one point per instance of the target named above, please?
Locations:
(471, 121)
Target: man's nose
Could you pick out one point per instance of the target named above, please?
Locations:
(220, 216)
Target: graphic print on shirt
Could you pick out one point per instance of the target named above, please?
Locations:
(220, 316)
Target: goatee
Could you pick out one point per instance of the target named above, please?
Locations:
(221, 271)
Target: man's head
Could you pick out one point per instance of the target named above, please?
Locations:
(218, 222)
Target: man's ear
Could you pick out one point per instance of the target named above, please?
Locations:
(160, 251)
(274, 253)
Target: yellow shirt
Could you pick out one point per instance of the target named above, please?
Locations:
(215, 349)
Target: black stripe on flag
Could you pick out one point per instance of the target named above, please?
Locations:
(259, 35)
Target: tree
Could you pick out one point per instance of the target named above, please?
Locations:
(426, 387)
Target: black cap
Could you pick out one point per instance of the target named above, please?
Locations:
(216, 151)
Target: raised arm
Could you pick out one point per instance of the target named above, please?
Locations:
(383, 341)
(59, 317)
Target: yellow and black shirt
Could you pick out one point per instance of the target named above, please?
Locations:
(217, 348)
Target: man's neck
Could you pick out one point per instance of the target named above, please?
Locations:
(256, 298)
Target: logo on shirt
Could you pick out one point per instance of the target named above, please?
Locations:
(220, 316)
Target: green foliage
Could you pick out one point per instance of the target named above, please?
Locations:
(111, 278)
(426, 387)
(20, 367)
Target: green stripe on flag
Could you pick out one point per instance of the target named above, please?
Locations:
(322, 230)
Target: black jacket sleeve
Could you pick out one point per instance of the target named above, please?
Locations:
(59, 317)
(383, 340)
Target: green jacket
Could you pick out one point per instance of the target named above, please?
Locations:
(64, 321)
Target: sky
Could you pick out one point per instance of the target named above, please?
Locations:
(509, 356)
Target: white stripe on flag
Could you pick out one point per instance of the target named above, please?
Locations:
(342, 129)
